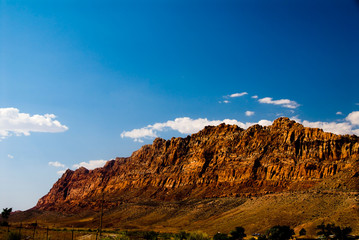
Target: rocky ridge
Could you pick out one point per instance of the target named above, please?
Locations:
(219, 161)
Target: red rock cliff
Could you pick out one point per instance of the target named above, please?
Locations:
(216, 162)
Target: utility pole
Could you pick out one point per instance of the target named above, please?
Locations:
(103, 197)
(35, 225)
(20, 228)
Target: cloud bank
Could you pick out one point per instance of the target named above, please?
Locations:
(234, 95)
(267, 100)
(249, 113)
(56, 164)
(333, 127)
(349, 125)
(13, 122)
(92, 164)
(282, 102)
(353, 118)
(184, 125)
(60, 172)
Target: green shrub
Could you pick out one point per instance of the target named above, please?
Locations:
(119, 237)
(14, 236)
(330, 229)
(302, 232)
(220, 236)
(280, 233)
(238, 234)
(152, 235)
(123, 236)
(182, 235)
(165, 236)
(262, 237)
(4, 224)
(198, 236)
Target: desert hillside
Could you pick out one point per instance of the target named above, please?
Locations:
(216, 179)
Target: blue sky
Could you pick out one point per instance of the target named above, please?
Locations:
(85, 81)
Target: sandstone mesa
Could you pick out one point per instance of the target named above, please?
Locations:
(217, 162)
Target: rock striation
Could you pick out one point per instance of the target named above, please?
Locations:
(219, 161)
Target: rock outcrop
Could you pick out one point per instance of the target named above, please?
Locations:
(219, 161)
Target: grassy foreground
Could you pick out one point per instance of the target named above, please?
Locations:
(325, 232)
(256, 214)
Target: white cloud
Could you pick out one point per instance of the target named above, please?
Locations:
(255, 96)
(345, 127)
(264, 122)
(10, 156)
(249, 113)
(333, 127)
(339, 113)
(283, 102)
(234, 95)
(184, 125)
(61, 172)
(353, 118)
(137, 134)
(56, 164)
(92, 164)
(12, 122)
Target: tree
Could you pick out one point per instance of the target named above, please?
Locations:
(182, 235)
(14, 236)
(330, 231)
(151, 235)
(325, 230)
(198, 236)
(220, 236)
(341, 233)
(238, 234)
(5, 216)
(6, 213)
(262, 237)
(302, 232)
(280, 233)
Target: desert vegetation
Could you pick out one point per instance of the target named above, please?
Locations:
(5, 214)
(330, 231)
(33, 231)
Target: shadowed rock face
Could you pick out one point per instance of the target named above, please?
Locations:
(220, 161)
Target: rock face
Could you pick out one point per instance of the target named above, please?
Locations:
(220, 161)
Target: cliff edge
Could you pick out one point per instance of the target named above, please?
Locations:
(219, 161)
